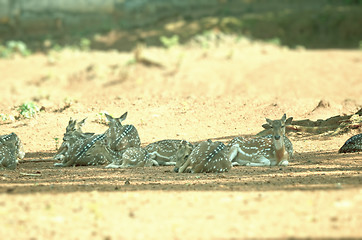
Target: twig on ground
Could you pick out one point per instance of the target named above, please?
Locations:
(31, 174)
(38, 160)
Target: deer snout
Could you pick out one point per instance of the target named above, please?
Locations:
(277, 137)
(175, 170)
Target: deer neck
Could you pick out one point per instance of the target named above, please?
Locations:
(125, 132)
(279, 147)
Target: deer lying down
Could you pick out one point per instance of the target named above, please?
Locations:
(73, 133)
(353, 144)
(206, 157)
(133, 157)
(88, 152)
(121, 136)
(11, 149)
(164, 151)
(263, 151)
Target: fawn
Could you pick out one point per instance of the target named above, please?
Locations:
(133, 157)
(88, 151)
(121, 137)
(205, 157)
(271, 150)
(73, 133)
(164, 151)
(353, 144)
(11, 149)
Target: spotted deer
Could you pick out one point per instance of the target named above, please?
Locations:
(353, 144)
(89, 151)
(73, 133)
(133, 157)
(205, 157)
(262, 151)
(121, 136)
(11, 149)
(164, 151)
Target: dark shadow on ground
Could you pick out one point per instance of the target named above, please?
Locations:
(38, 155)
(309, 171)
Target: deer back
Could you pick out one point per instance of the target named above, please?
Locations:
(11, 149)
(86, 152)
(165, 150)
(136, 157)
(120, 137)
(123, 137)
(209, 157)
(353, 144)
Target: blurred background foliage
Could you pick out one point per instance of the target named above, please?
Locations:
(122, 24)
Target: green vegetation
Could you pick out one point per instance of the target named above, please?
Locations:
(68, 101)
(360, 45)
(169, 42)
(13, 47)
(101, 118)
(6, 117)
(84, 44)
(275, 41)
(130, 62)
(56, 142)
(28, 109)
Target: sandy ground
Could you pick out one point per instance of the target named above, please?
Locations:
(198, 94)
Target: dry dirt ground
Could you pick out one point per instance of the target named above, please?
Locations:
(197, 94)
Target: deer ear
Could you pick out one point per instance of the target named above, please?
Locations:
(270, 122)
(289, 121)
(81, 123)
(72, 124)
(266, 126)
(109, 117)
(123, 117)
(284, 117)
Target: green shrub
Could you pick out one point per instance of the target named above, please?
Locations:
(28, 109)
(84, 44)
(169, 42)
(12, 47)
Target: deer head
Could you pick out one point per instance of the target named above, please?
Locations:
(182, 154)
(278, 131)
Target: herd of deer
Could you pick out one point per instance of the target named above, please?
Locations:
(120, 147)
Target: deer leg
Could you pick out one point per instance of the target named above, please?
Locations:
(233, 152)
(113, 165)
(169, 164)
(260, 162)
(283, 163)
(150, 163)
(69, 163)
(186, 164)
(109, 155)
(58, 165)
(233, 156)
(154, 162)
